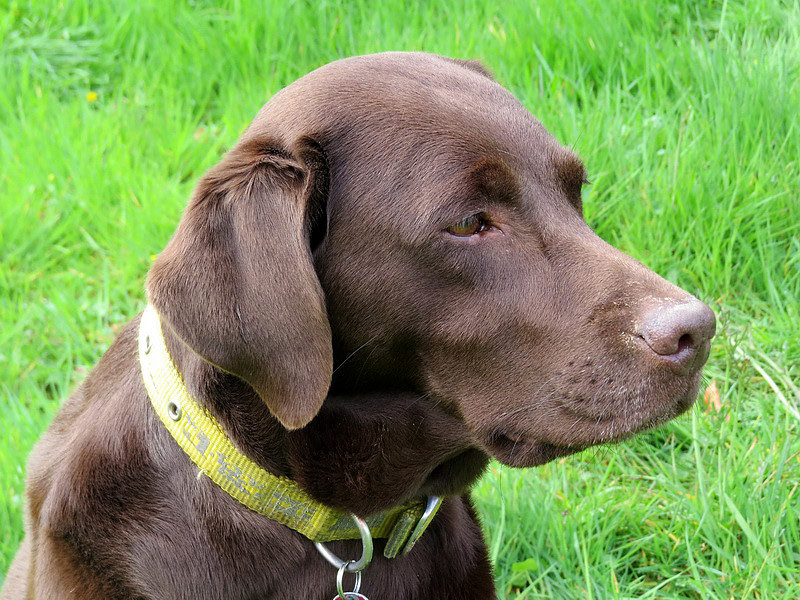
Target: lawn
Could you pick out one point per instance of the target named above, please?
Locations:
(686, 114)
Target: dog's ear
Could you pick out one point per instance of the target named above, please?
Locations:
(236, 282)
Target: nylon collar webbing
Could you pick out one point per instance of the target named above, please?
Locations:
(199, 434)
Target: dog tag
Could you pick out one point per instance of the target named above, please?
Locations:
(351, 596)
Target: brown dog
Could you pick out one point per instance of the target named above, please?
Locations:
(386, 281)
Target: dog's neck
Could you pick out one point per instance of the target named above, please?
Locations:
(362, 453)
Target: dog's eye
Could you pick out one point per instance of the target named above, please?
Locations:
(469, 226)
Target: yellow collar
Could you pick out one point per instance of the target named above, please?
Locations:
(199, 435)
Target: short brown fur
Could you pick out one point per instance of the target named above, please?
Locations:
(317, 302)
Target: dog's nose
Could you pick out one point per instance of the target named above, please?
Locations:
(679, 334)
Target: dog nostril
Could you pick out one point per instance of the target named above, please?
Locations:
(684, 342)
(676, 332)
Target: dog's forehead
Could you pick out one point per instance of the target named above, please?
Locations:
(400, 102)
(411, 126)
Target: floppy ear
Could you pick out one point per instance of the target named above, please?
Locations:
(236, 281)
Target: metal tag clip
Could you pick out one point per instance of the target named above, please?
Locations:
(434, 502)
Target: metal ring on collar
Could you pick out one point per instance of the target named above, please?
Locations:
(340, 582)
(352, 566)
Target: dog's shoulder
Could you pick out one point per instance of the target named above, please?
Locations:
(95, 442)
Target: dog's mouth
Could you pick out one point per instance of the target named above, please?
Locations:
(516, 448)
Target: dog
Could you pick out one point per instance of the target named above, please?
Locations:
(386, 281)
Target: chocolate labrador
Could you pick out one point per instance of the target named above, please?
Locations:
(387, 281)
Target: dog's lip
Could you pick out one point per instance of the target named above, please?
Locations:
(576, 412)
(626, 423)
(516, 448)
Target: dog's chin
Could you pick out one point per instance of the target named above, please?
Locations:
(518, 451)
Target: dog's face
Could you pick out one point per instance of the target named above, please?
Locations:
(446, 232)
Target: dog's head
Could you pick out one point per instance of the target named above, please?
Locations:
(404, 218)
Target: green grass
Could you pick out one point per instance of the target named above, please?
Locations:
(686, 114)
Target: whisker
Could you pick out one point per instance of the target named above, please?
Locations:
(349, 356)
